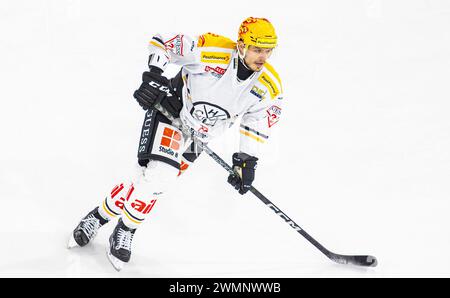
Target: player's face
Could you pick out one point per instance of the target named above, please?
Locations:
(256, 57)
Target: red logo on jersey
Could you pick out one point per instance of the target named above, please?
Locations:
(273, 116)
(175, 45)
(218, 70)
(203, 129)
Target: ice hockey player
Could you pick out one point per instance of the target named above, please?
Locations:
(220, 80)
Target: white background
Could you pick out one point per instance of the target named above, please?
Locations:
(360, 159)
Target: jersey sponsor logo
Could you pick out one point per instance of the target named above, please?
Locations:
(217, 69)
(270, 84)
(198, 134)
(175, 45)
(273, 116)
(208, 113)
(258, 92)
(203, 129)
(215, 57)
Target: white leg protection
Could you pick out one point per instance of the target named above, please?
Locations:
(156, 178)
(133, 200)
(112, 206)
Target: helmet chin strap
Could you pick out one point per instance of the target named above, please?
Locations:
(242, 56)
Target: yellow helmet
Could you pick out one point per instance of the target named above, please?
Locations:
(258, 32)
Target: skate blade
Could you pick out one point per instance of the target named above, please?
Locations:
(71, 243)
(117, 264)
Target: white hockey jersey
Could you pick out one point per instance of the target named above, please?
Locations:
(213, 97)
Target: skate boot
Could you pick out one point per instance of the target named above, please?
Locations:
(119, 250)
(87, 229)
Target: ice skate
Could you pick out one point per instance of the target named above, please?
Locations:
(119, 250)
(87, 229)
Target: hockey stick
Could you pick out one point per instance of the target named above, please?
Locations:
(359, 260)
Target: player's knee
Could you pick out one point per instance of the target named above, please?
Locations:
(161, 173)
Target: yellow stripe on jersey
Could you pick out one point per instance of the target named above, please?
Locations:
(214, 40)
(274, 73)
(248, 134)
(266, 80)
(157, 45)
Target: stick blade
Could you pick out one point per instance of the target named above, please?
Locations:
(365, 260)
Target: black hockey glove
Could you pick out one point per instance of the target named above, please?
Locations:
(244, 166)
(154, 89)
